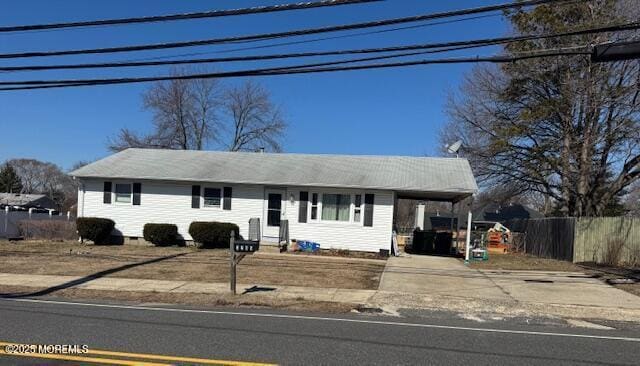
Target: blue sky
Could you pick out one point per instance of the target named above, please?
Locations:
(383, 112)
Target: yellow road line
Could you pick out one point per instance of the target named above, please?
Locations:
(84, 359)
(143, 356)
(205, 361)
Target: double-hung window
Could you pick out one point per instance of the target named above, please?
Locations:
(336, 207)
(212, 197)
(123, 193)
(357, 208)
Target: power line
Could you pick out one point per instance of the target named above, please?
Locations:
(223, 59)
(298, 69)
(185, 16)
(178, 77)
(272, 45)
(307, 41)
(301, 32)
(443, 47)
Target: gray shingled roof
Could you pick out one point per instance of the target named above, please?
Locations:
(398, 173)
(19, 199)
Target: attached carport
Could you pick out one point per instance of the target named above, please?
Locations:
(452, 183)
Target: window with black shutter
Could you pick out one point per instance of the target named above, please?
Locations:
(107, 193)
(368, 209)
(226, 203)
(195, 196)
(302, 210)
(137, 190)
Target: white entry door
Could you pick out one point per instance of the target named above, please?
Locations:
(274, 212)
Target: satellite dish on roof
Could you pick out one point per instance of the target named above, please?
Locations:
(454, 148)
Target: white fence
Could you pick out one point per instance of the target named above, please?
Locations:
(10, 220)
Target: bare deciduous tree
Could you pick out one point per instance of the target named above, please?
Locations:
(564, 127)
(632, 200)
(256, 121)
(46, 178)
(188, 115)
(184, 115)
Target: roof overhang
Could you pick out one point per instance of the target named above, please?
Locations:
(443, 196)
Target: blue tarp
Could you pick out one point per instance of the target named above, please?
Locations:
(308, 246)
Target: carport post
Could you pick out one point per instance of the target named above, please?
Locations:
(468, 239)
(453, 206)
(460, 203)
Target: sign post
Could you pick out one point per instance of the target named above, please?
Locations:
(233, 262)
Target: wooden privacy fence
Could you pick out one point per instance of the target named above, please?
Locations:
(548, 238)
(606, 240)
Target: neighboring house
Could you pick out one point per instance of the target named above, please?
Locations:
(26, 201)
(494, 212)
(439, 221)
(339, 201)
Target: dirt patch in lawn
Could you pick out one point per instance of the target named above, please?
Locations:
(341, 253)
(616, 276)
(631, 288)
(147, 298)
(185, 264)
(525, 262)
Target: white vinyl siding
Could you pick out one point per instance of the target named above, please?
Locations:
(169, 202)
(350, 234)
(165, 202)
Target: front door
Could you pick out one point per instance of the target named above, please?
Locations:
(274, 212)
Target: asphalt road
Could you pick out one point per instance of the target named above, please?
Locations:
(217, 335)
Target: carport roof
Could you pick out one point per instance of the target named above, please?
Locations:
(443, 178)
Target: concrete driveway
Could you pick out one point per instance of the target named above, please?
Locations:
(447, 276)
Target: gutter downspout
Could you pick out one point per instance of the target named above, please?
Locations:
(83, 191)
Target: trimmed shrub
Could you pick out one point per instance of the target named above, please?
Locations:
(213, 234)
(95, 229)
(160, 234)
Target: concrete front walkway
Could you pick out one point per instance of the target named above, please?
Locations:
(56, 282)
(414, 282)
(421, 274)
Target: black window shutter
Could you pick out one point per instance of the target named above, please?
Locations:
(137, 190)
(368, 209)
(107, 193)
(195, 196)
(304, 201)
(226, 203)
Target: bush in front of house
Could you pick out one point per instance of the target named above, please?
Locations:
(160, 234)
(95, 229)
(213, 234)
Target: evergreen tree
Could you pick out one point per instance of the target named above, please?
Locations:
(9, 180)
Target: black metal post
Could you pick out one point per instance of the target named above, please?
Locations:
(232, 253)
